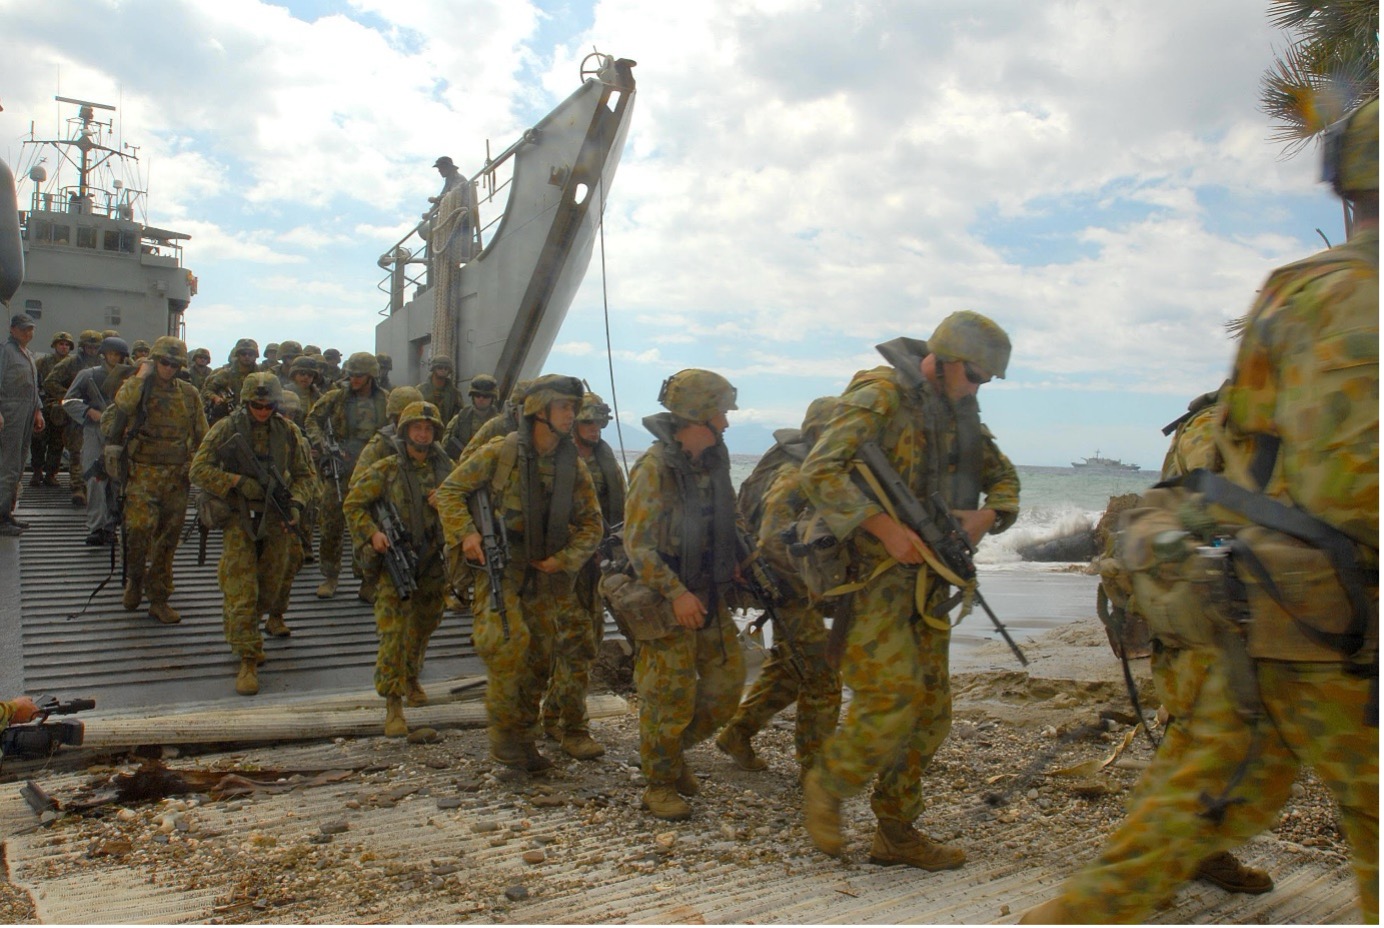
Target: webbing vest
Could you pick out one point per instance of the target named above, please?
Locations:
(160, 436)
(424, 527)
(611, 492)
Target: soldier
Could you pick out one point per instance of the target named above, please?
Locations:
(289, 352)
(464, 425)
(222, 390)
(90, 395)
(548, 504)
(408, 480)
(201, 368)
(439, 390)
(331, 373)
(386, 365)
(816, 688)
(1299, 434)
(311, 350)
(260, 553)
(271, 356)
(304, 382)
(350, 414)
(922, 412)
(680, 538)
(501, 425)
(382, 444)
(21, 414)
(57, 382)
(139, 351)
(159, 420)
(47, 446)
(580, 633)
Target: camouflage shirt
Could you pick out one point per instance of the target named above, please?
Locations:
(61, 375)
(171, 426)
(486, 427)
(289, 455)
(353, 418)
(407, 483)
(447, 398)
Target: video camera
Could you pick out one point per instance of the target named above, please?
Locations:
(40, 737)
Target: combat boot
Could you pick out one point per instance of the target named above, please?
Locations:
(50, 479)
(276, 627)
(822, 815)
(664, 802)
(534, 762)
(134, 593)
(735, 741)
(1226, 871)
(79, 494)
(687, 782)
(507, 750)
(164, 613)
(415, 695)
(327, 588)
(394, 724)
(581, 745)
(901, 843)
(247, 681)
(37, 479)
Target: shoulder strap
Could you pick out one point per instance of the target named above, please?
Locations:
(509, 457)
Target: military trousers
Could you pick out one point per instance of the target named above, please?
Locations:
(253, 575)
(579, 635)
(817, 691)
(333, 522)
(47, 446)
(689, 683)
(1315, 715)
(155, 507)
(405, 627)
(518, 669)
(900, 708)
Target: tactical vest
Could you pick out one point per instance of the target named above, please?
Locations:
(422, 521)
(610, 487)
(163, 435)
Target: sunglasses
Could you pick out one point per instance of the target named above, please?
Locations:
(165, 362)
(261, 406)
(974, 374)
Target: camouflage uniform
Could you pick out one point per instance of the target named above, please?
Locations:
(225, 383)
(93, 391)
(48, 445)
(384, 443)
(261, 554)
(56, 384)
(496, 426)
(462, 427)
(200, 374)
(534, 601)
(447, 398)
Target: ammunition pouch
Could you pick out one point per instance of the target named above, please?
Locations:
(115, 463)
(460, 576)
(820, 559)
(213, 512)
(644, 613)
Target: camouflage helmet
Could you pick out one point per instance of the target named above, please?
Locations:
(363, 362)
(484, 385)
(1350, 153)
(90, 338)
(166, 347)
(304, 365)
(697, 395)
(245, 344)
(201, 353)
(109, 333)
(516, 395)
(420, 411)
(115, 343)
(271, 348)
(289, 350)
(311, 349)
(968, 336)
(331, 354)
(401, 398)
(262, 387)
(290, 404)
(594, 409)
(385, 361)
(140, 345)
(441, 363)
(62, 337)
(549, 389)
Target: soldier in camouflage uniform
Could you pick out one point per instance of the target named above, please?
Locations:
(679, 536)
(500, 425)
(261, 553)
(47, 447)
(221, 392)
(1301, 426)
(817, 688)
(305, 382)
(57, 382)
(331, 371)
(922, 412)
(384, 443)
(271, 356)
(439, 389)
(159, 420)
(462, 427)
(386, 364)
(548, 504)
(200, 371)
(89, 396)
(409, 480)
(580, 632)
(281, 367)
(351, 413)
(139, 351)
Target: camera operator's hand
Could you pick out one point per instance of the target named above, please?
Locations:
(21, 709)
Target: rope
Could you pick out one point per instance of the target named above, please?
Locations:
(610, 354)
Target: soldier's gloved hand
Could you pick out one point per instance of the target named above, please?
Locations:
(250, 488)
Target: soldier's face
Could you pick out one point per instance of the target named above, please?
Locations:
(589, 432)
(91, 350)
(22, 334)
(261, 412)
(61, 349)
(166, 369)
(360, 383)
(113, 357)
(955, 383)
(561, 415)
(420, 433)
(482, 402)
(719, 423)
(200, 361)
(245, 357)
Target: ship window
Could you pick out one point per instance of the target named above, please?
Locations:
(62, 235)
(34, 308)
(86, 237)
(112, 316)
(119, 241)
(41, 231)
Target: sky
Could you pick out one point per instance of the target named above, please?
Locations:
(803, 179)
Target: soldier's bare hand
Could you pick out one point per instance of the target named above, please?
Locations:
(975, 523)
(380, 542)
(548, 565)
(689, 611)
(902, 543)
(24, 710)
(471, 547)
(39, 424)
(432, 497)
(93, 415)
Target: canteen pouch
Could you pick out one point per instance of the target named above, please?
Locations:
(113, 460)
(820, 559)
(460, 577)
(213, 512)
(643, 612)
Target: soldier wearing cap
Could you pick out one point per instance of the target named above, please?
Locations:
(261, 553)
(922, 411)
(57, 383)
(222, 390)
(305, 382)
(1297, 431)
(580, 633)
(21, 414)
(408, 479)
(158, 418)
(548, 503)
(90, 395)
(200, 371)
(439, 389)
(679, 536)
(462, 427)
(47, 447)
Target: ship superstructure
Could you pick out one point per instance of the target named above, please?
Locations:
(91, 260)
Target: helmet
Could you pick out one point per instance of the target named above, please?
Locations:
(63, 337)
(420, 411)
(108, 333)
(272, 346)
(331, 354)
(594, 409)
(385, 361)
(311, 349)
(548, 389)
(201, 353)
(441, 363)
(399, 399)
(484, 385)
(1350, 155)
(521, 389)
(245, 344)
(139, 345)
(114, 343)
(289, 402)
(289, 350)
(166, 346)
(90, 338)
(261, 387)
(968, 336)
(697, 395)
(363, 362)
(303, 365)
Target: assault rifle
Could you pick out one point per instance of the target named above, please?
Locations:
(237, 452)
(495, 546)
(333, 462)
(938, 528)
(759, 580)
(40, 737)
(400, 558)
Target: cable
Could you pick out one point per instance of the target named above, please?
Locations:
(610, 355)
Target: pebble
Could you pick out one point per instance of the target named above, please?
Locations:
(1032, 794)
(666, 839)
(127, 815)
(423, 736)
(353, 803)
(481, 828)
(449, 802)
(335, 828)
(534, 857)
(516, 894)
